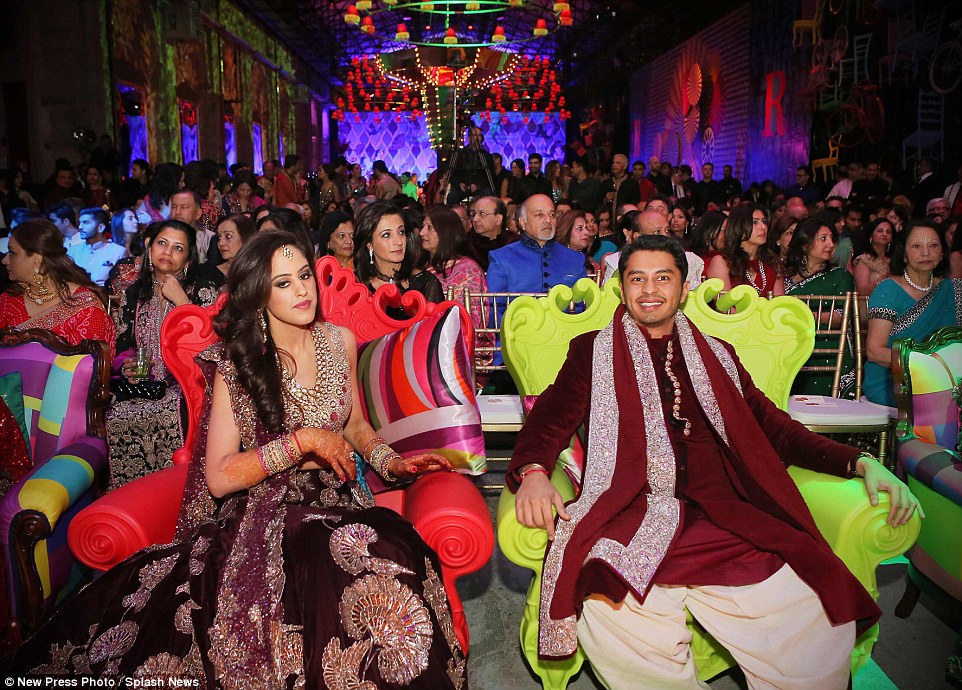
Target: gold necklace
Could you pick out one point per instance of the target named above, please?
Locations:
(42, 296)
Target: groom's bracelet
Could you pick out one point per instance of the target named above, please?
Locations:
(853, 470)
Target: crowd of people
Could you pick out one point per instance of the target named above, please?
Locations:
(108, 258)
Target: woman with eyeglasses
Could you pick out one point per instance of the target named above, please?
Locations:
(384, 256)
(745, 259)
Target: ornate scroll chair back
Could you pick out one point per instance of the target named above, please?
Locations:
(773, 338)
(925, 374)
(62, 390)
(446, 508)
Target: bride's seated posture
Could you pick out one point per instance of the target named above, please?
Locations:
(283, 572)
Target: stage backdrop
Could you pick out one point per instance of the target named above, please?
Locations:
(402, 143)
(726, 96)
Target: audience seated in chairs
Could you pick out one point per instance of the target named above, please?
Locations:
(145, 423)
(383, 255)
(810, 270)
(49, 290)
(298, 540)
(914, 302)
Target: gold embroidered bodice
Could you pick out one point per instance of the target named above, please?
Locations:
(326, 405)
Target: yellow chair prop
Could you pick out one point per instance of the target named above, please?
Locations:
(773, 338)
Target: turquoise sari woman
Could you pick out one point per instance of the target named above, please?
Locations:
(942, 306)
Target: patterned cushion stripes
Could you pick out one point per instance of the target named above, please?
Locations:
(67, 381)
(935, 413)
(418, 392)
(933, 466)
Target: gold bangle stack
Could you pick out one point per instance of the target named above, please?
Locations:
(380, 459)
(278, 455)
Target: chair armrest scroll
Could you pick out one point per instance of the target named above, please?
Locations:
(522, 545)
(53, 487)
(449, 513)
(855, 529)
(130, 518)
(451, 516)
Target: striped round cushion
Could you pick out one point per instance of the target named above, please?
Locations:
(417, 389)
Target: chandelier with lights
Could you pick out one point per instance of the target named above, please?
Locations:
(464, 23)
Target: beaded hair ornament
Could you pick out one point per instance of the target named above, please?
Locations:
(287, 252)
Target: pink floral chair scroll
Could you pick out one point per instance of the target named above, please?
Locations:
(446, 508)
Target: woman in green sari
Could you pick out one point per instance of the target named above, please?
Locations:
(913, 303)
(810, 270)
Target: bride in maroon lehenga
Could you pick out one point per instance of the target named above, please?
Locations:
(283, 574)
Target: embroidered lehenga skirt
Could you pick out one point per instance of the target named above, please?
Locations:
(362, 605)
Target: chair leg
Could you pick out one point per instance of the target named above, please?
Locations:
(883, 450)
(554, 675)
(909, 598)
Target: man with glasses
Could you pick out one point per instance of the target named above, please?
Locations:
(488, 216)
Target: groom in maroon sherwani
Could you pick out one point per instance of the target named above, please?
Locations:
(686, 503)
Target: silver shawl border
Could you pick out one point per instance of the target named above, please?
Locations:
(558, 637)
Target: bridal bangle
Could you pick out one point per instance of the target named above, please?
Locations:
(280, 454)
(380, 458)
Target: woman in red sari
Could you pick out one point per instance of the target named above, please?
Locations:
(49, 290)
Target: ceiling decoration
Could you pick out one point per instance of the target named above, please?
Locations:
(400, 24)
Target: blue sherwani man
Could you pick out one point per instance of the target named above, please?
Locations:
(536, 263)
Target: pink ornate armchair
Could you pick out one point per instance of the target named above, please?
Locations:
(446, 508)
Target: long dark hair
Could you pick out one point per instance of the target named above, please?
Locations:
(447, 224)
(364, 226)
(164, 184)
(40, 236)
(706, 231)
(797, 258)
(143, 287)
(738, 230)
(252, 350)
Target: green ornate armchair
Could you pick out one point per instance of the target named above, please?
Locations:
(773, 339)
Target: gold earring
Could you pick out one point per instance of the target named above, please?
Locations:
(41, 282)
